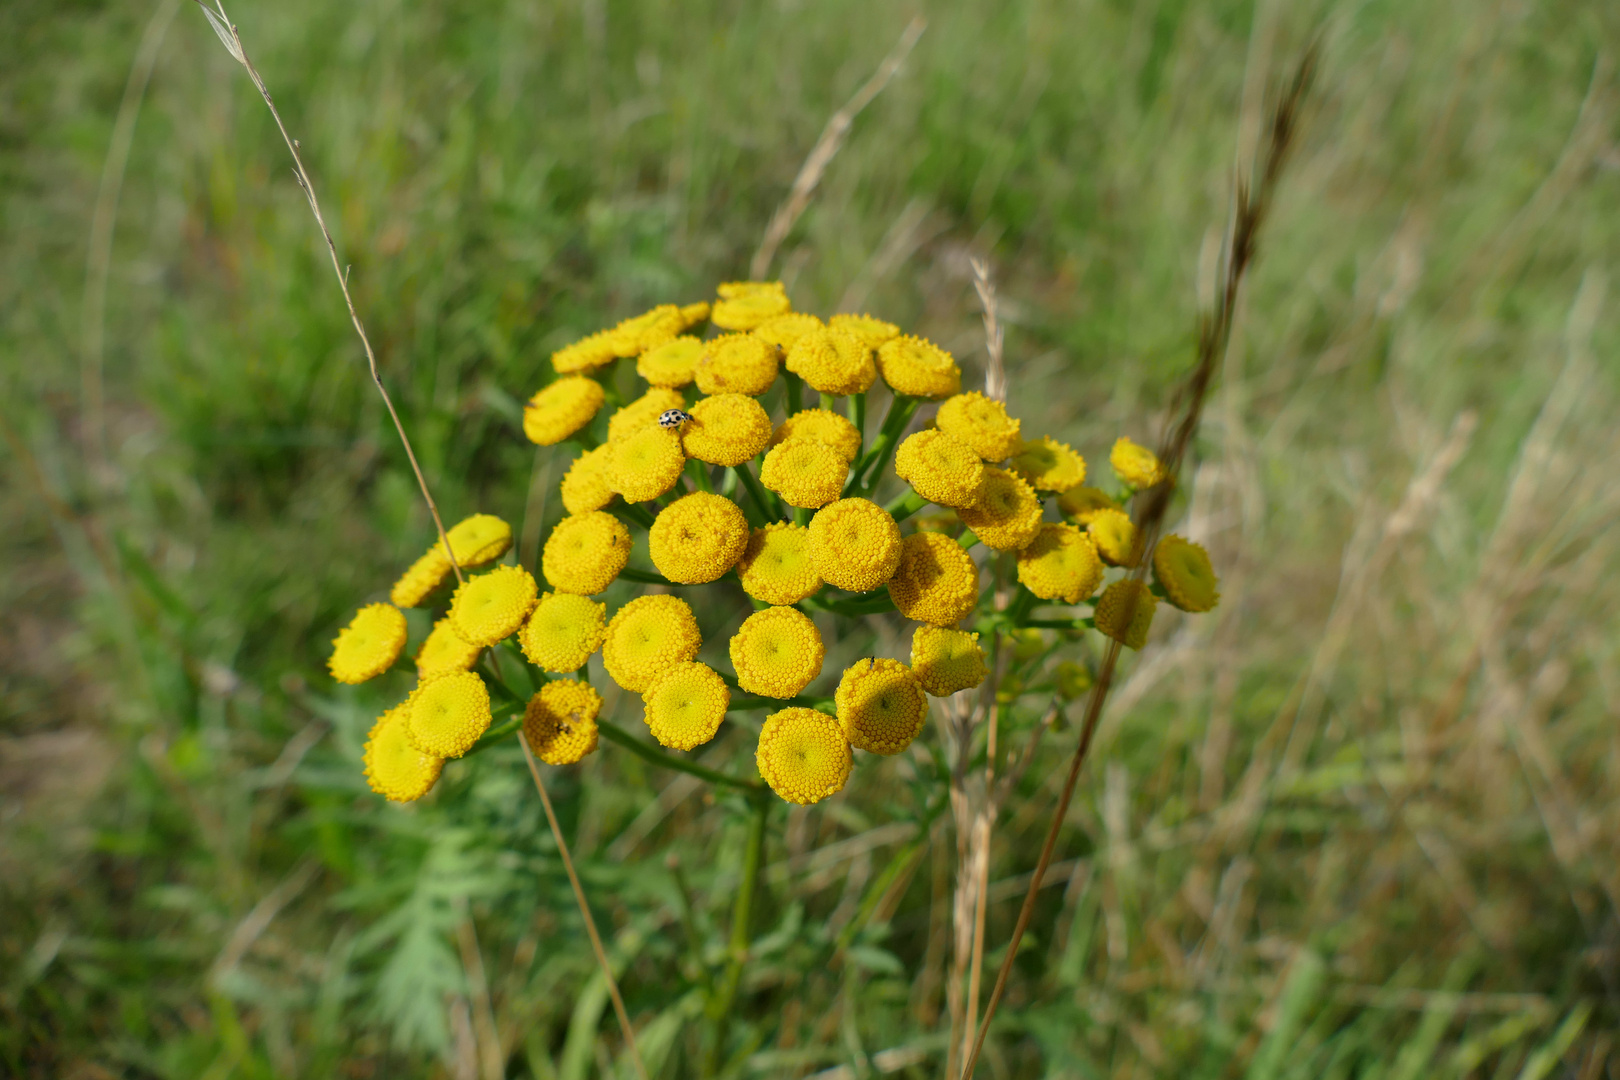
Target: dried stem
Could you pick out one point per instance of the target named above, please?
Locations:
(995, 370)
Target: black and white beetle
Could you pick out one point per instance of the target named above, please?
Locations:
(671, 419)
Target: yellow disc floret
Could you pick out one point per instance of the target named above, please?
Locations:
(833, 362)
(369, 645)
(1060, 564)
(1183, 571)
(646, 636)
(418, 583)
(697, 538)
(1008, 513)
(737, 364)
(637, 334)
(672, 364)
(561, 409)
(490, 608)
(854, 544)
(643, 413)
(394, 768)
(776, 567)
(881, 705)
(803, 755)
(777, 652)
(1125, 612)
(749, 304)
(1049, 465)
(736, 290)
(585, 552)
(1082, 503)
(448, 714)
(941, 468)
(916, 366)
(647, 464)
(946, 661)
(727, 429)
(937, 581)
(585, 355)
(784, 330)
(478, 540)
(587, 485)
(560, 721)
(563, 632)
(873, 331)
(981, 423)
(444, 651)
(805, 472)
(685, 705)
(1114, 535)
(823, 425)
(1135, 464)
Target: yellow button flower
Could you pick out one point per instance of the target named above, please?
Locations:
(490, 608)
(737, 364)
(672, 364)
(946, 661)
(916, 366)
(444, 651)
(697, 538)
(727, 429)
(643, 413)
(646, 465)
(1049, 465)
(369, 645)
(563, 631)
(777, 652)
(1008, 514)
(736, 290)
(803, 755)
(1125, 612)
(823, 425)
(448, 714)
(941, 468)
(881, 705)
(784, 330)
(981, 423)
(478, 540)
(1060, 564)
(833, 362)
(1182, 570)
(587, 485)
(646, 636)
(685, 705)
(1114, 535)
(695, 313)
(585, 355)
(561, 409)
(560, 721)
(585, 552)
(637, 334)
(805, 472)
(873, 331)
(418, 583)
(937, 582)
(395, 769)
(1135, 464)
(749, 305)
(854, 544)
(1082, 503)
(776, 567)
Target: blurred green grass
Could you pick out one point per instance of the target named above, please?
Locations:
(1360, 824)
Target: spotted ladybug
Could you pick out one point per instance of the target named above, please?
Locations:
(671, 419)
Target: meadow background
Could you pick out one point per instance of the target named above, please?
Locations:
(1359, 822)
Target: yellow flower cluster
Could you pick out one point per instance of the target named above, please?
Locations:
(777, 652)
(941, 468)
(560, 721)
(777, 568)
(833, 361)
(806, 472)
(936, 582)
(803, 755)
(685, 705)
(854, 544)
(727, 429)
(646, 637)
(697, 538)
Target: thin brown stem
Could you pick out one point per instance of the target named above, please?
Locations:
(995, 369)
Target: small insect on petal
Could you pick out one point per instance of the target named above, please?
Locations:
(673, 418)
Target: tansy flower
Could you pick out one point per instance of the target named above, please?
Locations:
(833, 362)
(697, 538)
(871, 330)
(685, 705)
(671, 364)
(803, 755)
(941, 468)
(937, 582)
(585, 552)
(736, 290)
(561, 409)
(448, 714)
(854, 544)
(586, 486)
(916, 366)
(1008, 513)
(586, 355)
(394, 768)
(444, 651)
(981, 423)
(1060, 564)
(777, 652)
(695, 313)
(1082, 504)
(478, 540)
(1135, 464)
(646, 636)
(749, 305)
(784, 330)
(1115, 536)
(737, 364)
(418, 583)
(560, 721)
(776, 567)
(823, 425)
(563, 631)
(637, 334)
(881, 705)
(1072, 680)
(1182, 570)
(490, 608)
(1125, 611)
(646, 465)
(643, 413)
(805, 472)
(1049, 465)
(369, 645)
(946, 661)
(727, 429)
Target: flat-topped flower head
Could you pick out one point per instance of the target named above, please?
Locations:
(425, 575)
(1008, 513)
(1183, 571)
(637, 334)
(563, 631)
(803, 755)
(1114, 535)
(685, 705)
(784, 330)
(736, 290)
(1060, 564)
(941, 468)
(560, 721)
(697, 538)
(585, 552)
(916, 366)
(868, 328)
(777, 652)
(776, 567)
(1135, 465)
(646, 636)
(980, 422)
(805, 472)
(727, 429)
(478, 540)
(833, 362)
(672, 364)
(1049, 465)
(643, 413)
(881, 705)
(395, 769)
(489, 608)
(1125, 612)
(448, 714)
(822, 425)
(561, 409)
(745, 305)
(585, 355)
(369, 645)
(587, 486)
(937, 582)
(946, 661)
(854, 544)
(737, 364)
(647, 464)
(444, 651)
(1080, 504)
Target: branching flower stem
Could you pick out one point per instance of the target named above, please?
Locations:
(741, 916)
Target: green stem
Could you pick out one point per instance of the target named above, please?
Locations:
(801, 517)
(635, 515)
(968, 540)
(585, 439)
(700, 473)
(646, 577)
(854, 609)
(1061, 624)
(741, 915)
(795, 392)
(766, 504)
(856, 404)
(901, 410)
(750, 703)
(499, 731)
(658, 757)
(906, 505)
